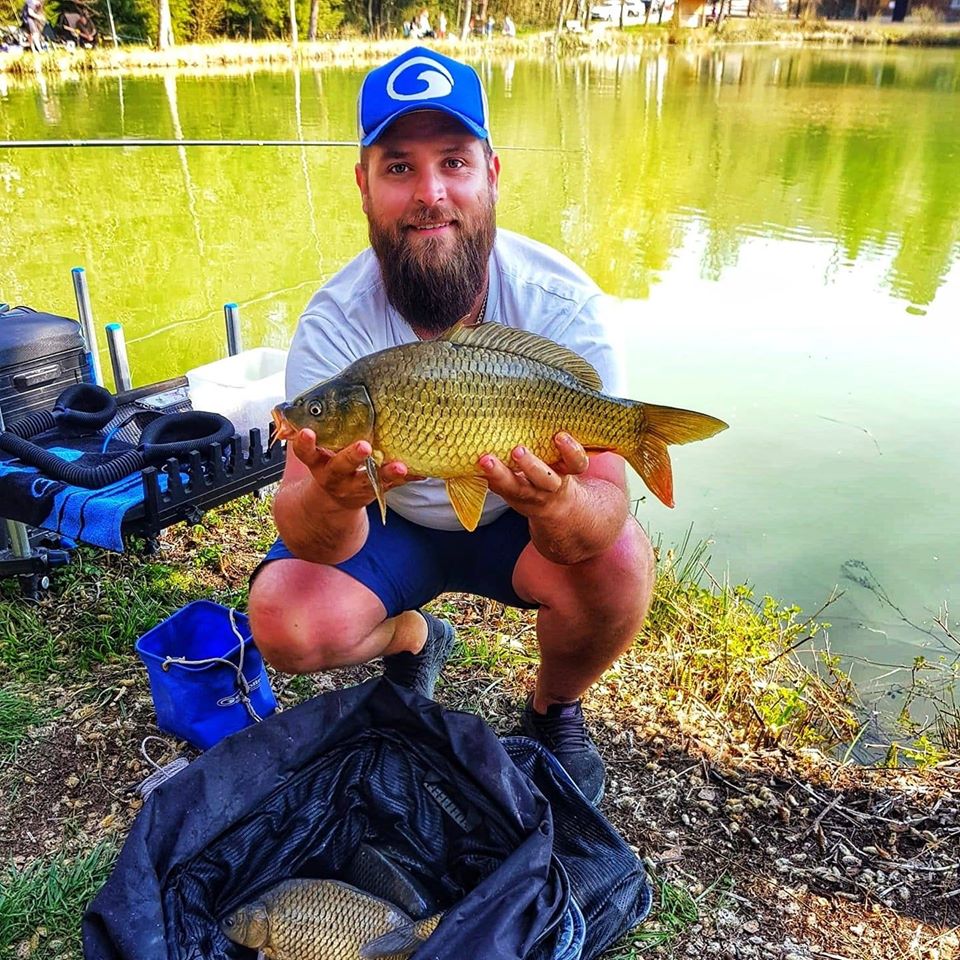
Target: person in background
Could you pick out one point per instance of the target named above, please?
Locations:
(86, 30)
(441, 26)
(491, 23)
(509, 29)
(339, 587)
(34, 19)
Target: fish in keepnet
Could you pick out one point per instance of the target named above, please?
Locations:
(439, 405)
(375, 871)
(326, 920)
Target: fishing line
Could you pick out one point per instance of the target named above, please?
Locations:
(34, 144)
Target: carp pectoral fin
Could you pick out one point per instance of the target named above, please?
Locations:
(402, 941)
(373, 474)
(467, 495)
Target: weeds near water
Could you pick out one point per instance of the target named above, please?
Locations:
(934, 684)
(713, 647)
(41, 905)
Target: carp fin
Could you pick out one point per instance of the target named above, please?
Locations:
(467, 495)
(657, 427)
(495, 336)
(404, 940)
(374, 476)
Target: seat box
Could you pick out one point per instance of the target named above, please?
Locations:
(41, 355)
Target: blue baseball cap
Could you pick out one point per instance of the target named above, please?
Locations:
(421, 79)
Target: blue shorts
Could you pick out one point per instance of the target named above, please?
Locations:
(407, 565)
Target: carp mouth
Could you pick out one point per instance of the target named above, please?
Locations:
(282, 428)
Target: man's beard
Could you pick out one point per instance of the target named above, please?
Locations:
(432, 283)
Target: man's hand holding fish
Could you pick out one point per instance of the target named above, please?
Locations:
(457, 351)
(576, 506)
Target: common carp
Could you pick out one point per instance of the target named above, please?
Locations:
(439, 405)
(326, 920)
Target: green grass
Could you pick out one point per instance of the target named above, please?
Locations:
(17, 715)
(42, 904)
(99, 605)
(675, 910)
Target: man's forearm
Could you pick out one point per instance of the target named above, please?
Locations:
(314, 527)
(589, 524)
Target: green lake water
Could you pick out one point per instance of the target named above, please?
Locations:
(782, 225)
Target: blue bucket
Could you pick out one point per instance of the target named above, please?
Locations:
(206, 676)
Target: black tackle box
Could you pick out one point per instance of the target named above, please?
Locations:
(41, 355)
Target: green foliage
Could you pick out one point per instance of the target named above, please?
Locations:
(17, 715)
(254, 19)
(101, 605)
(41, 905)
(675, 911)
(925, 753)
(736, 657)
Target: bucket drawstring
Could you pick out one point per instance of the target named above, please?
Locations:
(243, 686)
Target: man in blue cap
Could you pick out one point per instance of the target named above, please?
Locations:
(341, 588)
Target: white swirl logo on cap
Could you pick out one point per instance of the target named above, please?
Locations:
(438, 80)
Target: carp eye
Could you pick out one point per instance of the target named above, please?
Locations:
(315, 408)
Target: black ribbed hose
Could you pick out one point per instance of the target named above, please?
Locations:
(59, 469)
(171, 435)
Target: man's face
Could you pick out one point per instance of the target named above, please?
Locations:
(429, 189)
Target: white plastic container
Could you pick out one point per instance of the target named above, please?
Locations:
(244, 387)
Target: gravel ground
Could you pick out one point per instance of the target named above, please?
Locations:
(772, 852)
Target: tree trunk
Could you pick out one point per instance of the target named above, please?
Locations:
(165, 29)
(314, 17)
(467, 13)
(294, 37)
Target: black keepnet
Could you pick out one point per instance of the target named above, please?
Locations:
(433, 789)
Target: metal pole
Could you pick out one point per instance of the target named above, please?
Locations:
(85, 312)
(231, 314)
(113, 28)
(16, 531)
(118, 357)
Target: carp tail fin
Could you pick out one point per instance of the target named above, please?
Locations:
(656, 428)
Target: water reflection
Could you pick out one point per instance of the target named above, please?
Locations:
(783, 225)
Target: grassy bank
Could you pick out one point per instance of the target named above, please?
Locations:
(729, 760)
(240, 55)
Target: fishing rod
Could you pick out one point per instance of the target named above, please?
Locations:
(28, 144)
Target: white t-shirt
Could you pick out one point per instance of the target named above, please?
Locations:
(532, 287)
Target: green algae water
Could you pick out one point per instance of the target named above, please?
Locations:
(782, 226)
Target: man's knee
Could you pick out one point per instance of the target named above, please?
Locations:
(301, 627)
(632, 558)
(623, 576)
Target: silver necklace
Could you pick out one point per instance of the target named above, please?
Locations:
(483, 306)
